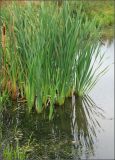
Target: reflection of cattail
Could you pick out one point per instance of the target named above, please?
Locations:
(3, 36)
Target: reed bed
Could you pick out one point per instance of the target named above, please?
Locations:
(49, 54)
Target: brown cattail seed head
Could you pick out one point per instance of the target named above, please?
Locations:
(3, 36)
(4, 30)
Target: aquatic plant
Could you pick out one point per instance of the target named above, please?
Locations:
(50, 54)
(12, 149)
(10, 153)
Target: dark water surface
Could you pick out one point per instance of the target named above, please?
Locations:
(78, 131)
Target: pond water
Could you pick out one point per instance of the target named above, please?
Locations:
(82, 129)
(103, 95)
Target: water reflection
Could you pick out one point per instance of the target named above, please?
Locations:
(71, 135)
(85, 124)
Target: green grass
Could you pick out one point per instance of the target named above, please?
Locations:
(48, 54)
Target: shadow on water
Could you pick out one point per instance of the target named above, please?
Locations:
(71, 135)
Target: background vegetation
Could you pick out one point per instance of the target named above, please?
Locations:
(103, 10)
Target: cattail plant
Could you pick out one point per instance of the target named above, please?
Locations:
(51, 53)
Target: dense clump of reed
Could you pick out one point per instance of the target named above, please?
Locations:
(50, 54)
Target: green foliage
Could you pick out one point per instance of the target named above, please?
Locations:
(50, 53)
(10, 153)
(13, 150)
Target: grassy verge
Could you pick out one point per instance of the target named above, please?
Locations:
(102, 10)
